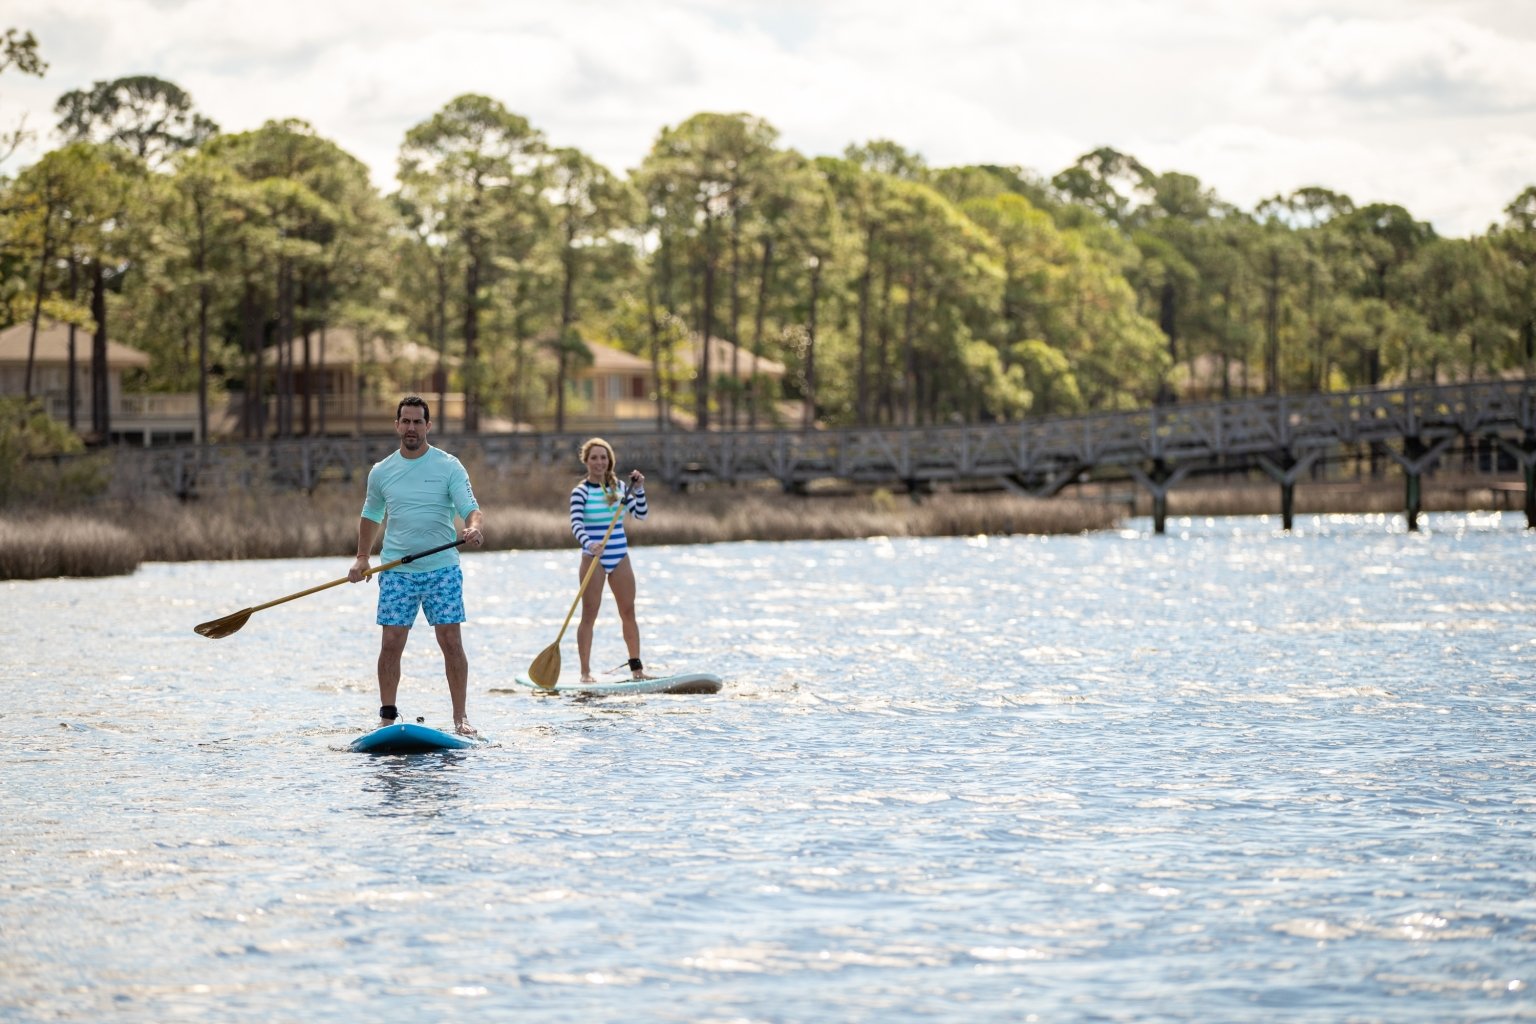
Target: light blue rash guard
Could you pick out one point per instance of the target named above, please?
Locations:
(421, 497)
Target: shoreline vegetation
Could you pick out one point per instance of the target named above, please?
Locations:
(527, 511)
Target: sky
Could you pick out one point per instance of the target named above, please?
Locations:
(1429, 104)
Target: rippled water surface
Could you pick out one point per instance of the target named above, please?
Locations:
(1225, 775)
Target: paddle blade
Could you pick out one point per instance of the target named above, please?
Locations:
(220, 628)
(545, 669)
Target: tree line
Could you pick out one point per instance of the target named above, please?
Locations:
(895, 292)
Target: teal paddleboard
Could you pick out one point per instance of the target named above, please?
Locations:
(410, 738)
(685, 682)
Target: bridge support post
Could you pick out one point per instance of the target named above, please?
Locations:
(917, 488)
(1415, 459)
(1159, 482)
(1285, 473)
(1413, 501)
(1525, 455)
(1530, 494)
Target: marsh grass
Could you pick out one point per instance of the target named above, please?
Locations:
(39, 546)
(1441, 493)
(526, 509)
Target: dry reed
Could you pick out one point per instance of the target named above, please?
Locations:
(34, 547)
(523, 511)
(526, 509)
(1440, 493)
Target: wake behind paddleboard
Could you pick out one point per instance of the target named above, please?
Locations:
(410, 738)
(686, 682)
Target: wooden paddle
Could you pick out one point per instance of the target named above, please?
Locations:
(545, 669)
(220, 628)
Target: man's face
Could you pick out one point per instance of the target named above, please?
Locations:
(412, 427)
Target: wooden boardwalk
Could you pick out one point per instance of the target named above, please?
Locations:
(1283, 435)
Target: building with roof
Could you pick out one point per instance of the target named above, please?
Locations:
(615, 392)
(344, 385)
(734, 362)
(138, 418)
(352, 385)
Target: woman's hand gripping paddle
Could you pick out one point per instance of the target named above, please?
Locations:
(220, 628)
(545, 669)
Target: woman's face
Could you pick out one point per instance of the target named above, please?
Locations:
(597, 461)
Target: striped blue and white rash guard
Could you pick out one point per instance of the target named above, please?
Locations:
(591, 512)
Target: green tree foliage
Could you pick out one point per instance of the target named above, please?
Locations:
(984, 181)
(1457, 296)
(151, 118)
(72, 214)
(477, 170)
(1514, 251)
(593, 209)
(703, 181)
(895, 293)
(302, 247)
(1382, 238)
(1114, 185)
(30, 470)
(202, 211)
(891, 159)
(796, 234)
(18, 50)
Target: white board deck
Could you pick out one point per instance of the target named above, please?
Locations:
(684, 682)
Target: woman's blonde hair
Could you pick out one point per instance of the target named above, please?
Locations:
(610, 478)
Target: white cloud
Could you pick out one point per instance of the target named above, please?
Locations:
(1413, 101)
(1431, 64)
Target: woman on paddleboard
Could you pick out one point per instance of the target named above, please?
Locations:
(596, 502)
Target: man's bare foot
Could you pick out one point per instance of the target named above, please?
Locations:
(385, 723)
(640, 674)
(587, 677)
(463, 728)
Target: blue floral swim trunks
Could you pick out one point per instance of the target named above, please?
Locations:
(439, 593)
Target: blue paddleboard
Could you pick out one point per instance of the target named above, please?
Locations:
(686, 682)
(410, 738)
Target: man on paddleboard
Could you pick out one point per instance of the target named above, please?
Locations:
(419, 490)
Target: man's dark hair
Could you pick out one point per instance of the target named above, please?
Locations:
(426, 413)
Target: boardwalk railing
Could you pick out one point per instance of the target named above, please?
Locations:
(1156, 447)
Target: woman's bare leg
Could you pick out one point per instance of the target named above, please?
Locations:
(591, 601)
(622, 582)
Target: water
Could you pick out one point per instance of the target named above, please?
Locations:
(1229, 774)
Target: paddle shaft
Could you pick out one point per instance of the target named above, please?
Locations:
(376, 569)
